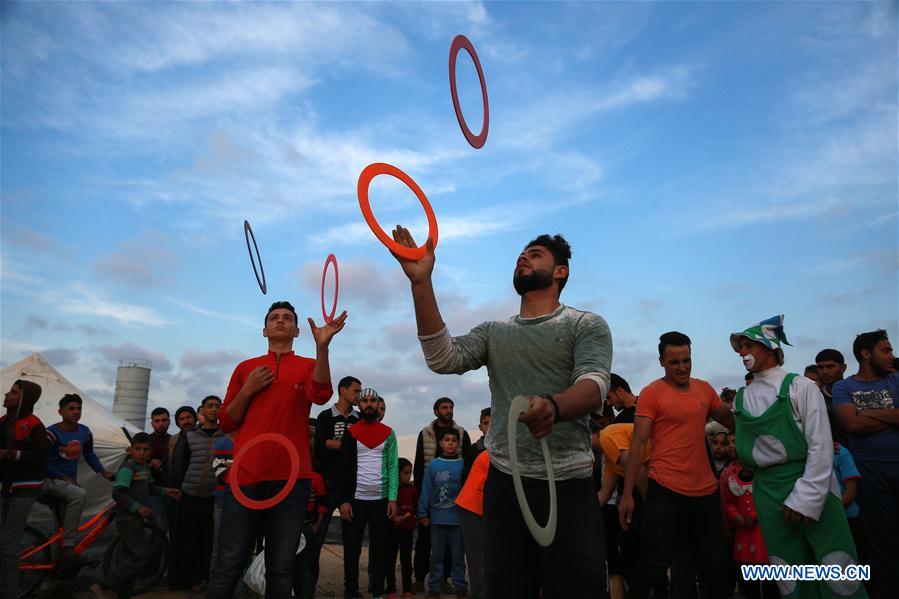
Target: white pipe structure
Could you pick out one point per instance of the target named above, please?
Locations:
(544, 535)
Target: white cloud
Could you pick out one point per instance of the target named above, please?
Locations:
(83, 300)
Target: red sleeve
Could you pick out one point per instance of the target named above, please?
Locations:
(226, 423)
(317, 393)
(648, 404)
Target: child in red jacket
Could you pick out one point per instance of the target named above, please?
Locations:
(399, 536)
(749, 546)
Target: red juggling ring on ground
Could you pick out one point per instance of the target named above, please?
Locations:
(332, 259)
(379, 168)
(264, 504)
(248, 232)
(459, 42)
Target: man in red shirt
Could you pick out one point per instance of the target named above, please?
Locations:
(271, 394)
(682, 495)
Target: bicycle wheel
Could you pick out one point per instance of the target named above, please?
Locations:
(146, 575)
(30, 579)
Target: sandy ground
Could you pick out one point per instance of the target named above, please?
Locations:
(330, 583)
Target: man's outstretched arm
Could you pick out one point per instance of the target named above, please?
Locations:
(427, 313)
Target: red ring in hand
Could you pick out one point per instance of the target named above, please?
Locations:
(379, 168)
(332, 259)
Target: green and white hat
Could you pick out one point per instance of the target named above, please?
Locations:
(768, 332)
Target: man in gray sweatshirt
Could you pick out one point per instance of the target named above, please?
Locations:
(559, 358)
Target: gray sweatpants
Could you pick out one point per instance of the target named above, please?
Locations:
(74, 496)
(473, 541)
(15, 512)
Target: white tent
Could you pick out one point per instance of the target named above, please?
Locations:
(108, 429)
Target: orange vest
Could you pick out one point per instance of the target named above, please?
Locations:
(471, 497)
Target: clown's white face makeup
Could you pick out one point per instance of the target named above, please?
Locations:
(749, 361)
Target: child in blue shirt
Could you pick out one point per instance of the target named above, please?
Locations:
(437, 509)
(847, 475)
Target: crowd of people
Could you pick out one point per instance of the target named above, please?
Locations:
(662, 493)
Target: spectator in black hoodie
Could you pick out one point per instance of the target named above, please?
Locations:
(23, 458)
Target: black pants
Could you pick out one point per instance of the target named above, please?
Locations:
(374, 515)
(623, 546)
(133, 556)
(667, 515)
(399, 540)
(573, 566)
(422, 560)
(197, 530)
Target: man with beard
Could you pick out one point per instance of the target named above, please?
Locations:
(367, 488)
(867, 404)
(559, 358)
(783, 435)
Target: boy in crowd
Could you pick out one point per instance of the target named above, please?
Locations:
(784, 436)
(437, 510)
(867, 405)
(23, 458)
(471, 517)
(131, 491)
(69, 440)
(400, 532)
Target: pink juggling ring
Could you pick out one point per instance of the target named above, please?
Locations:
(233, 475)
(379, 168)
(459, 42)
(332, 259)
(248, 232)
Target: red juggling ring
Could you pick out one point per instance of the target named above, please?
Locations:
(379, 168)
(248, 232)
(233, 475)
(459, 42)
(332, 259)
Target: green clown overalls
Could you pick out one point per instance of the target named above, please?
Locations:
(775, 447)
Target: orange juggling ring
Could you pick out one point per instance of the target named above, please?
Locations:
(264, 504)
(379, 168)
(459, 42)
(332, 259)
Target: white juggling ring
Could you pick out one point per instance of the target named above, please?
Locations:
(544, 535)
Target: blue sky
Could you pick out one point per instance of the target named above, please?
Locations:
(712, 164)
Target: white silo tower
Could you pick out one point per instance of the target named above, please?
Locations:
(132, 387)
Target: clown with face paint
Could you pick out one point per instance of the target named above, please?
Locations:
(782, 432)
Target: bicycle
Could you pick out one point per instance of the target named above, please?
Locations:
(40, 555)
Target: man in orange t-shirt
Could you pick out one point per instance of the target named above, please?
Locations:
(682, 495)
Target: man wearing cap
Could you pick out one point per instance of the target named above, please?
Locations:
(367, 487)
(782, 432)
(271, 394)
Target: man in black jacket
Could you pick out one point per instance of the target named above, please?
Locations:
(330, 427)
